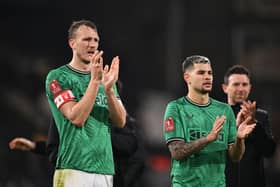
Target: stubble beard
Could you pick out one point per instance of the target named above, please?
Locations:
(83, 60)
(205, 91)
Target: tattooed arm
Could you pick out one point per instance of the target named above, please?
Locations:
(180, 150)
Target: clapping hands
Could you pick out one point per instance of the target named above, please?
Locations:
(109, 75)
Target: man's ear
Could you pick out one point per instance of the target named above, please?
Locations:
(71, 43)
(224, 87)
(186, 77)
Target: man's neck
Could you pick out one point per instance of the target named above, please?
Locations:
(202, 99)
(79, 65)
(232, 103)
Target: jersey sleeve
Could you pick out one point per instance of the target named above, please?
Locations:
(232, 126)
(172, 126)
(59, 88)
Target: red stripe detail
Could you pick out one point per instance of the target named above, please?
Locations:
(64, 97)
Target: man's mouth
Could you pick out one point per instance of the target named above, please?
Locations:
(207, 84)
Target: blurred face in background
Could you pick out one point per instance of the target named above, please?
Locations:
(237, 89)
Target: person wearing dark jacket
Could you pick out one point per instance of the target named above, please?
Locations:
(249, 172)
(48, 148)
(129, 154)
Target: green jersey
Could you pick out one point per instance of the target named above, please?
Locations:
(187, 121)
(87, 148)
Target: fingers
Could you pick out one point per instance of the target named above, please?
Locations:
(115, 65)
(114, 68)
(21, 144)
(217, 127)
(12, 144)
(246, 121)
(219, 122)
(239, 118)
(16, 143)
(249, 129)
(106, 69)
(97, 57)
(115, 61)
(249, 106)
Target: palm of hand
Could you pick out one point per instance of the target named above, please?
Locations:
(243, 131)
(108, 80)
(110, 77)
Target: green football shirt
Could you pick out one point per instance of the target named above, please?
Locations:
(188, 121)
(87, 148)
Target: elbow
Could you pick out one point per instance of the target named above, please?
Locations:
(121, 123)
(78, 123)
(122, 120)
(76, 120)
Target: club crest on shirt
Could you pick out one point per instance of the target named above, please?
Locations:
(169, 124)
(55, 88)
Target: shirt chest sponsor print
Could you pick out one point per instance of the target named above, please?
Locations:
(169, 124)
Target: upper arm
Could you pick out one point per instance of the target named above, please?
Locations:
(172, 125)
(59, 93)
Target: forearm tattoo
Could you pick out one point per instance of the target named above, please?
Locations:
(181, 150)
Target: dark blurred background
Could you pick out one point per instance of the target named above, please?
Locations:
(152, 38)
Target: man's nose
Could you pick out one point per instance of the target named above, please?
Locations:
(240, 87)
(208, 77)
(93, 44)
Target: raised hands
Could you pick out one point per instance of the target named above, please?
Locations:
(245, 119)
(111, 75)
(248, 108)
(245, 128)
(97, 65)
(108, 75)
(216, 129)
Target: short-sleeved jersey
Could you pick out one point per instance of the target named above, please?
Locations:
(87, 148)
(187, 121)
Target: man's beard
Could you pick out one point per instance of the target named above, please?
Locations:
(85, 61)
(202, 91)
(205, 91)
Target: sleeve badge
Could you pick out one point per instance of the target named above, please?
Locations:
(169, 124)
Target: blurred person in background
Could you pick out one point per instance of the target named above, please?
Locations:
(84, 103)
(249, 172)
(200, 131)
